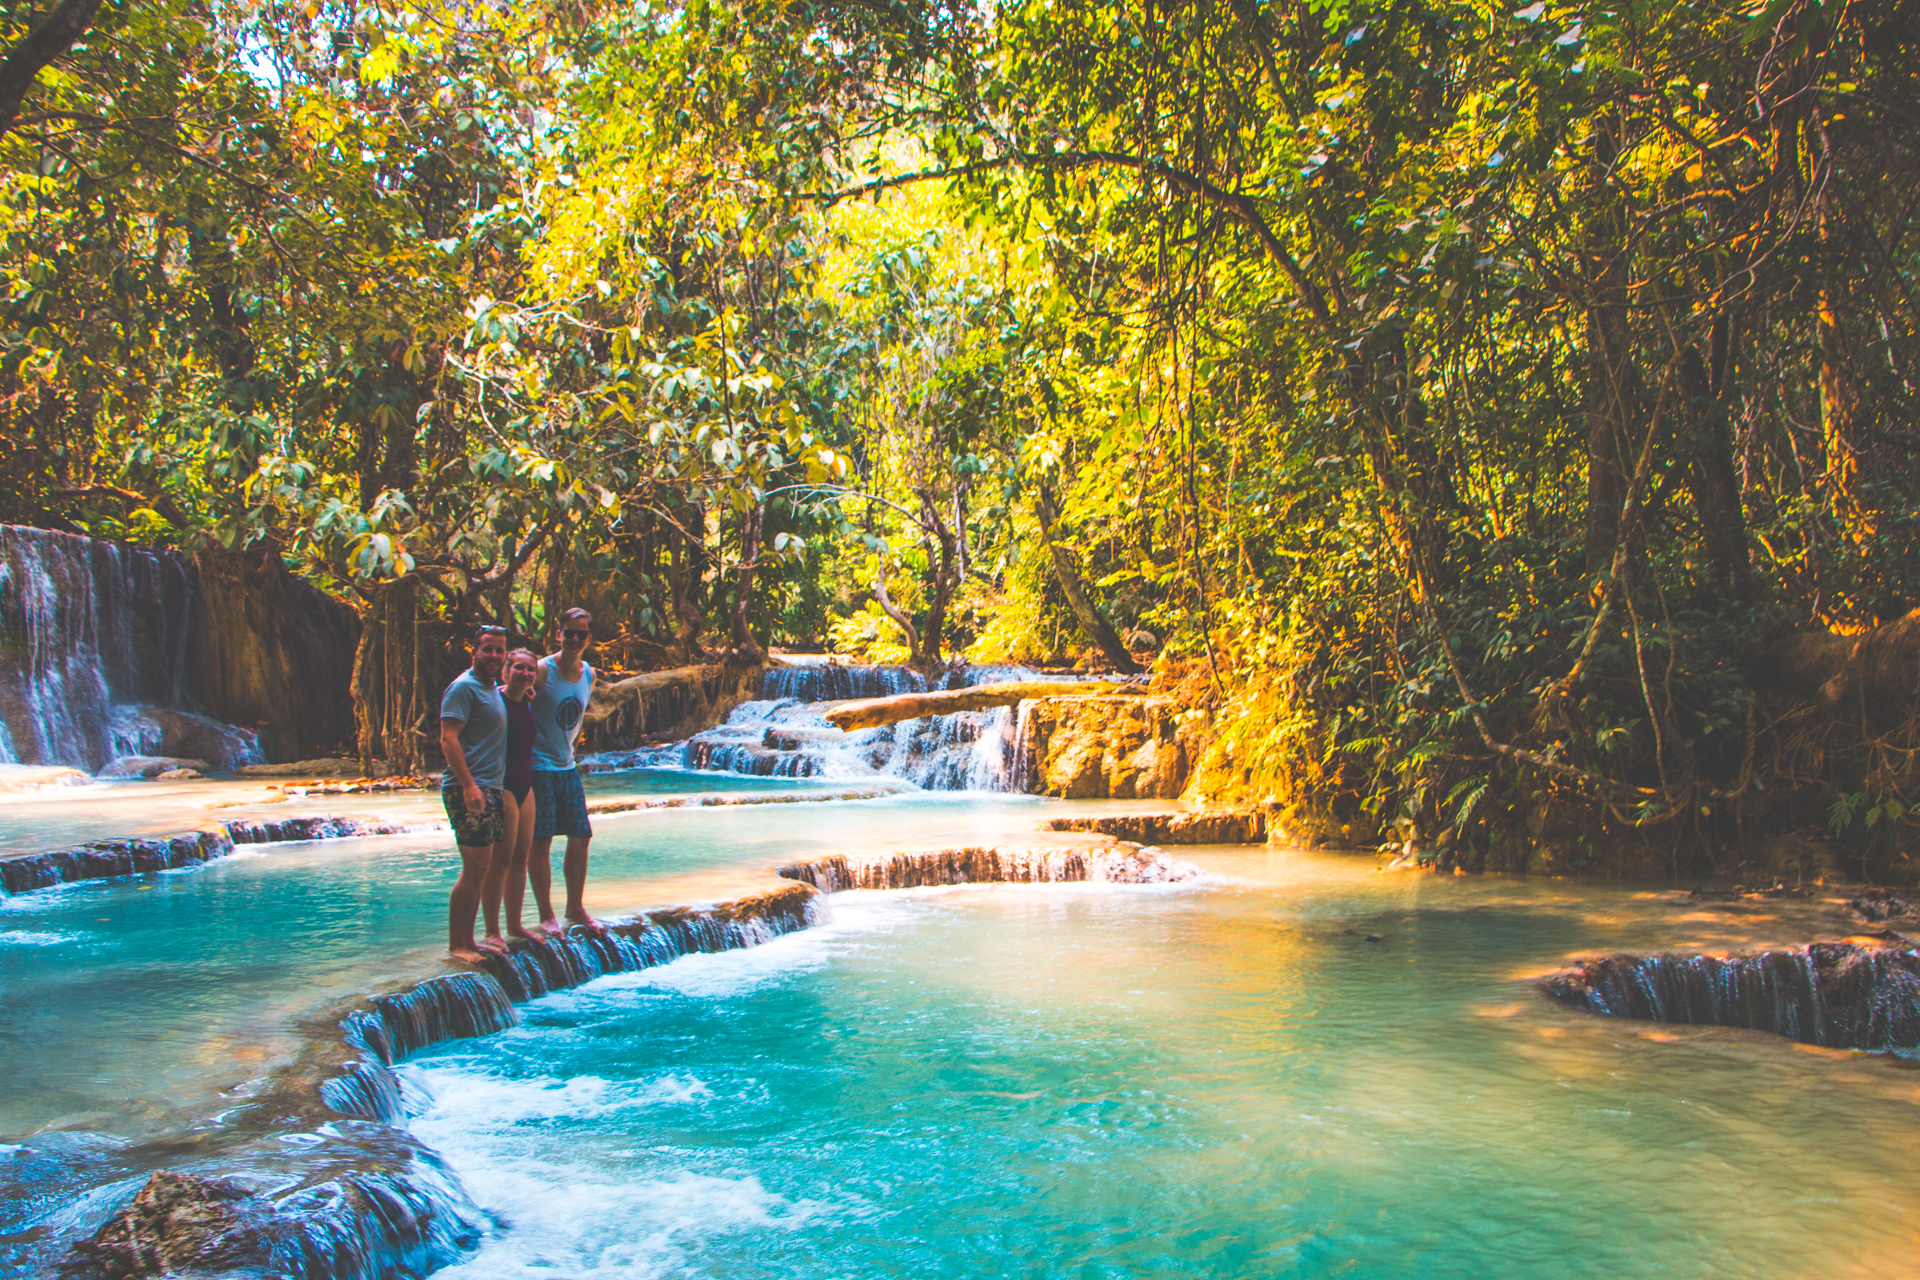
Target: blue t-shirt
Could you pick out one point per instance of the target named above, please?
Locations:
(482, 712)
(557, 710)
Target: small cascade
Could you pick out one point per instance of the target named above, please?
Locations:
(105, 859)
(89, 630)
(1834, 994)
(784, 733)
(462, 1005)
(1110, 864)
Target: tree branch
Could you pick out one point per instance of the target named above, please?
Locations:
(52, 38)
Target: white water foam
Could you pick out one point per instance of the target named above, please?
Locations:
(33, 938)
(561, 1214)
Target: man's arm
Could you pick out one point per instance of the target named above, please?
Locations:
(457, 763)
(540, 670)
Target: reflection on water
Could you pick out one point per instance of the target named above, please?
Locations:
(1228, 1080)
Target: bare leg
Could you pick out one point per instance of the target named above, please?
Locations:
(520, 837)
(540, 877)
(495, 881)
(475, 860)
(575, 869)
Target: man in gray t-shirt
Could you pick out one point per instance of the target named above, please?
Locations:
(473, 737)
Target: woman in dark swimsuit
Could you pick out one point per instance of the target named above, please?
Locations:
(522, 665)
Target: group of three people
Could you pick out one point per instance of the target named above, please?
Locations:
(507, 728)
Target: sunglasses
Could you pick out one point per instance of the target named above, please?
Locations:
(492, 631)
(571, 634)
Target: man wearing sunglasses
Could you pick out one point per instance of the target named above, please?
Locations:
(473, 738)
(563, 688)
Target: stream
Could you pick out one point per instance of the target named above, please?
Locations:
(1290, 1064)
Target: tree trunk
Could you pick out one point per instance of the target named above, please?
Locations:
(893, 611)
(53, 37)
(1091, 620)
(1839, 398)
(681, 571)
(1613, 388)
(1711, 476)
(368, 707)
(945, 581)
(752, 526)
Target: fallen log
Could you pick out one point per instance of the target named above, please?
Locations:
(869, 713)
(609, 698)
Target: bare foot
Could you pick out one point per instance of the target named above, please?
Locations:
(493, 943)
(532, 932)
(468, 954)
(552, 928)
(585, 921)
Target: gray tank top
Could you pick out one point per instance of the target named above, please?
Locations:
(557, 709)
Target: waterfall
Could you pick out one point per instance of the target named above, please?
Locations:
(93, 653)
(1831, 993)
(784, 733)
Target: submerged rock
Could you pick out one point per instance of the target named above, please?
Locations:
(1836, 994)
(37, 777)
(326, 767)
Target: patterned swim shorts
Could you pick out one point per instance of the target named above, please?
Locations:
(559, 805)
(474, 830)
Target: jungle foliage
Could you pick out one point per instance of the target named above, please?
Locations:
(1467, 401)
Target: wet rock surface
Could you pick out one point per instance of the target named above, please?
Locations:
(355, 1202)
(1837, 994)
(1245, 827)
(1877, 906)
(270, 652)
(1119, 747)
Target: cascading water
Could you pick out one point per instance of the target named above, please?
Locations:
(785, 734)
(1833, 994)
(93, 639)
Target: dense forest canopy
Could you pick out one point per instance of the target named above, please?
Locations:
(1471, 412)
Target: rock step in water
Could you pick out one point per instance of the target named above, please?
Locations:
(105, 859)
(1246, 827)
(1118, 863)
(1837, 994)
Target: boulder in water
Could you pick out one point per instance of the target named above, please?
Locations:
(149, 766)
(195, 737)
(180, 1223)
(178, 775)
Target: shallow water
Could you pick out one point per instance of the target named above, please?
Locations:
(132, 1005)
(60, 817)
(1223, 1079)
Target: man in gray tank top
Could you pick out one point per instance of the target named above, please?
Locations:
(473, 738)
(563, 689)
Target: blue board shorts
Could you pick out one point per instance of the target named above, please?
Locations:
(559, 805)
